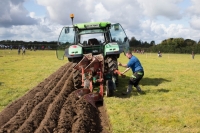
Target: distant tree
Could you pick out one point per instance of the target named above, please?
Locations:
(152, 43)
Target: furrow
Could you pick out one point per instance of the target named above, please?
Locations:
(38, 113)
(49, 123)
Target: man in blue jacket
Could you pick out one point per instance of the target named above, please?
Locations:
(137, 69)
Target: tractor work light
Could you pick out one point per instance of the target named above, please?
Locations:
(71, 15)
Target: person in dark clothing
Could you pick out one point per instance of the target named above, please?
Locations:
(138, 72)
(23, 50)
(18, 50)
(159, 54)
(192, 54)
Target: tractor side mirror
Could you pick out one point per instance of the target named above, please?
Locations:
(66, 30)
(116, 27)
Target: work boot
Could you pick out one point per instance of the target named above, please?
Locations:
(129, 89)
(138, 88)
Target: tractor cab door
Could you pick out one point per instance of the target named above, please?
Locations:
(118, 35)
(66, 38)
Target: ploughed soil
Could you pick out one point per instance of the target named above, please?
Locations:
(53, 107)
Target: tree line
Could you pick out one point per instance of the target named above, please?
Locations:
(170, 45)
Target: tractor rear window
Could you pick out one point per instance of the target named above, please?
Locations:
(84, 39)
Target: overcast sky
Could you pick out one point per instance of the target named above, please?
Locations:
(146, 20)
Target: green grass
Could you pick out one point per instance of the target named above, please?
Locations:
(20, 73)
(171, 102)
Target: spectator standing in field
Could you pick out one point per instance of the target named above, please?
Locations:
(159, 54)
(193, 54)
(23, 50)
(138, 72)
(18, 50)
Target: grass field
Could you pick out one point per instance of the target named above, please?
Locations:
(171, 102)
(20, 73)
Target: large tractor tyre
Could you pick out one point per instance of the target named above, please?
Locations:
(111, 63)
(109, 88)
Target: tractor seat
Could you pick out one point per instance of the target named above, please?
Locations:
(93, 41)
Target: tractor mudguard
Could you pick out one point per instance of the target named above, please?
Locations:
(71, 55)
(111, 48)
(74, 51)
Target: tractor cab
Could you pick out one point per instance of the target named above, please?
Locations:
(92, 37)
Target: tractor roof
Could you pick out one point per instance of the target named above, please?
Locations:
(92, 25)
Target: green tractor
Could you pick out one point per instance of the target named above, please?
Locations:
(93, 48)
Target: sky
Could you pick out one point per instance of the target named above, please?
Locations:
(146, 20)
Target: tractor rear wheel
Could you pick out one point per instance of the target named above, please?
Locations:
(111, 63)
(109, 88)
